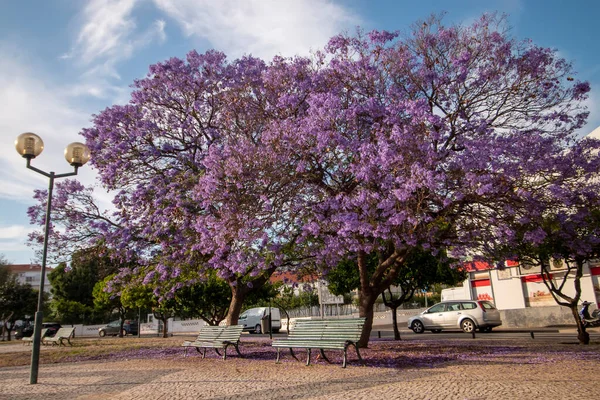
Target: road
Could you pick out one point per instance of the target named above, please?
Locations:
(553, 335)
(545, 335)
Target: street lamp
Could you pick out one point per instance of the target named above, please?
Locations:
(29, 146)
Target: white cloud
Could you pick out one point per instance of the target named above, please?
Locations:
(107, 25)
(14, 232)
(13, 243)
(109, 35)
(159, 29)
(31, 102)
(262, 28)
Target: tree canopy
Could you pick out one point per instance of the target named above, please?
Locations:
(448, 137)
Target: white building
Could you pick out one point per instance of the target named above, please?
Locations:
(521, 286)
(30, 273)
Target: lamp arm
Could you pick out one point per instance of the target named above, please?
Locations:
(51, 174)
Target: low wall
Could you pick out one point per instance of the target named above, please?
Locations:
(536, 317)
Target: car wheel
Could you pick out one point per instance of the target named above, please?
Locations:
(436, 330)
(257, 329)
(275, 330)
(417, 327)
(467, 325)
(102, 333)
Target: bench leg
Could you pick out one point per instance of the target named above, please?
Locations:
(308, 351)
(185, 351)
(324, 356)
(346, 354)
(358, 354)
(277, 361)
(217, 351)
(225, 352)
(237, 348)
(293, 355)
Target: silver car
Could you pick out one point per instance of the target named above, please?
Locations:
(467, 315)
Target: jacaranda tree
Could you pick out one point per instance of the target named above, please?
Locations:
(164, 154)
(375, 147)
(429, 140)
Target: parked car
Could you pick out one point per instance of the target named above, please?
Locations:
(251, 319)
(467, 315)
(52, 327)
(130, 327)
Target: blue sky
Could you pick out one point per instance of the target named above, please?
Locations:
(63, 60)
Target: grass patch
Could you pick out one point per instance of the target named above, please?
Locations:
(83, 348)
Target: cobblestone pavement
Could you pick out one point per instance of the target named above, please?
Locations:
(195, 378)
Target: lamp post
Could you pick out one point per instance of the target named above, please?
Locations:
(29, 146)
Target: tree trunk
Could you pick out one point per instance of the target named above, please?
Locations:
(164, 318)
(238, 295)
(582, 335)
(165, 321)
(365, 310)
(6, 329)
(393, 305)
(239, 290)
(122, 319)
(395, 323)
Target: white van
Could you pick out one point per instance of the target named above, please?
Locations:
(251, 319)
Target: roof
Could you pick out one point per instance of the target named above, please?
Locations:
(475, 266)
(16, 268)
(291, 277)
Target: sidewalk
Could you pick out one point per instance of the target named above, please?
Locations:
(466, 371)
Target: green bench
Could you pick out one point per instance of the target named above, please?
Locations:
(323, 334)
(60, 336)
(216, 337)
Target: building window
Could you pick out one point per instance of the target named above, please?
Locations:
(28, 279)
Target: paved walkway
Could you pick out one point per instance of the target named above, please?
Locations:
(176, 377)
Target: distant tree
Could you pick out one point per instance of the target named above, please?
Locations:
(16, 300)
(420, 270)
(207, 299)
(135, 294)
(73, 286)
(106, 302)
(288, 298)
